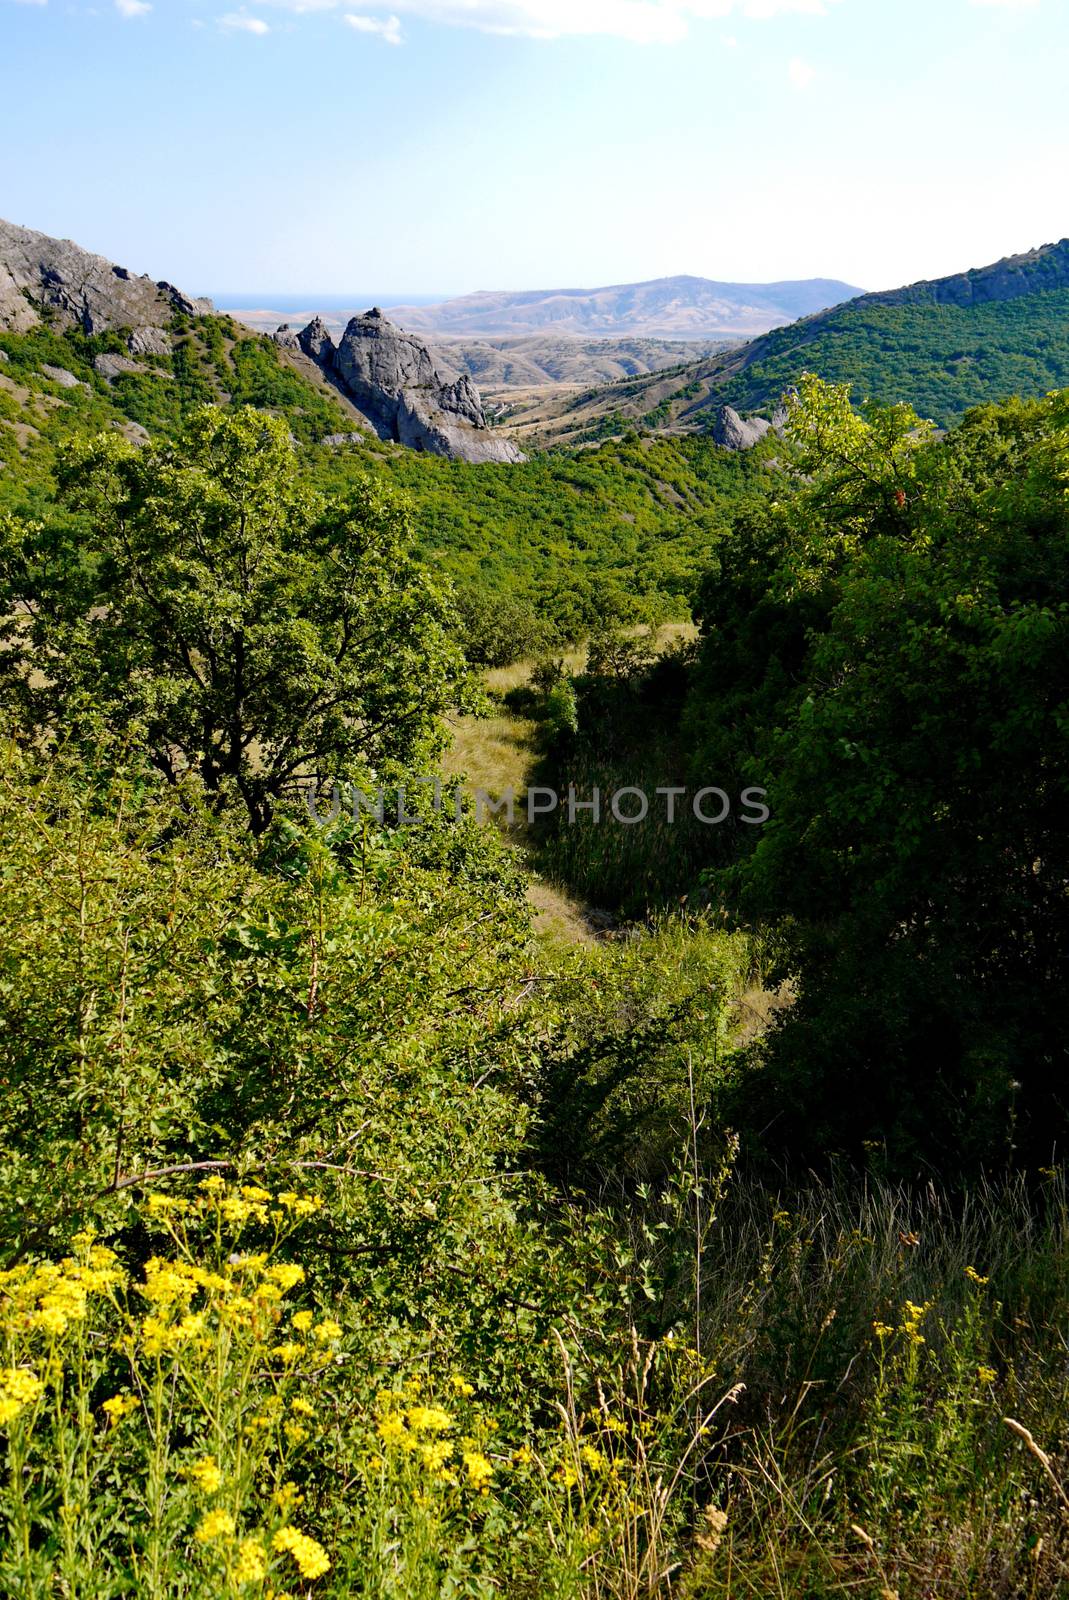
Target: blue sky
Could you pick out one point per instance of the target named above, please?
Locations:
(422, 146)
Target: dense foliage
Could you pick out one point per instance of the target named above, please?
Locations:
(887, 646)
(940, 359)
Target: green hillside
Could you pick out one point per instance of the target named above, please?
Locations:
(560, 532)
(941, 359)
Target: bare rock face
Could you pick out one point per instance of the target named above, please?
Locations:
(285, 337)
(112, 367)
(60, 375)
(149, 342)
(732, 433)
(390, 376)
(37, 272)
(316, 343)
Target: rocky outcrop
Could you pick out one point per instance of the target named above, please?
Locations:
(1008, 279)
(38, 274)
(391, 378)
(60, 375)
(113, 366)
(317, 344)
(732, 433)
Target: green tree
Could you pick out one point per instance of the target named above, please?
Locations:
(257, 632)
(902, 695)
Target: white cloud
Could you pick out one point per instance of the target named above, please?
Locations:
(132, 8)
(641, 21)
(238, 22)
(387, 28)
(800, 73)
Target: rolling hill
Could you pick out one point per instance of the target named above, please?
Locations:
(664, 308)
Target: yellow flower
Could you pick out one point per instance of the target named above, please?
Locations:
(216, 1525)
(251, 1564)
(327, 1331)
(213, 1185)
(429, 1419)
(20, 1385)
(882, 1330)
(252, 1192)
(986, 1374)
(312, 1560)
(392, 1430)
(301, 1206)
(436, 1454)
(295, 1433)
(206, 1475)
(288, 1496)
(523, 1456)
(285, 1274)
(167, 1283)
(479, 1469)
(119, 1406)
(972, 1274)
(593, 1458)
(462, 1386)
(302, 1321)
(287, 1352)
(303, 1408)
(9, 1410)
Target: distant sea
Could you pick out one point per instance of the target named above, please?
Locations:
(259, 299)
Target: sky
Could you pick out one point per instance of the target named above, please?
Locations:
(423, 147)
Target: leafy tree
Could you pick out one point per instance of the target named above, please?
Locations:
(255, 631)
(902, 694)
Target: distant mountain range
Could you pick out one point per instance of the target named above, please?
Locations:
(943, 345)
(664, 308)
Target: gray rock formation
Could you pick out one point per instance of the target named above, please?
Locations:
(149, 342)
(37, 272)
(112, 366)
(391, 378)
(732, 433)
(338, 441)
(60, 375)
(285, 337)
(316, 343)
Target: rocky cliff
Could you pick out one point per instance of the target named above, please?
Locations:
(1028, 273)
(39, 274)
(391, 377)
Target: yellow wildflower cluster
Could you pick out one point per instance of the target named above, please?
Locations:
(974, 1277)
(48, 1296)
(311, 1559)
(19, 1388)
(206, 1475)
(251, 1563)
(912, 1317)
(419, 1430)
(119, 1406)
(247, 1202)
(243, 1296)
(215, 1525)
(479, 1469)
